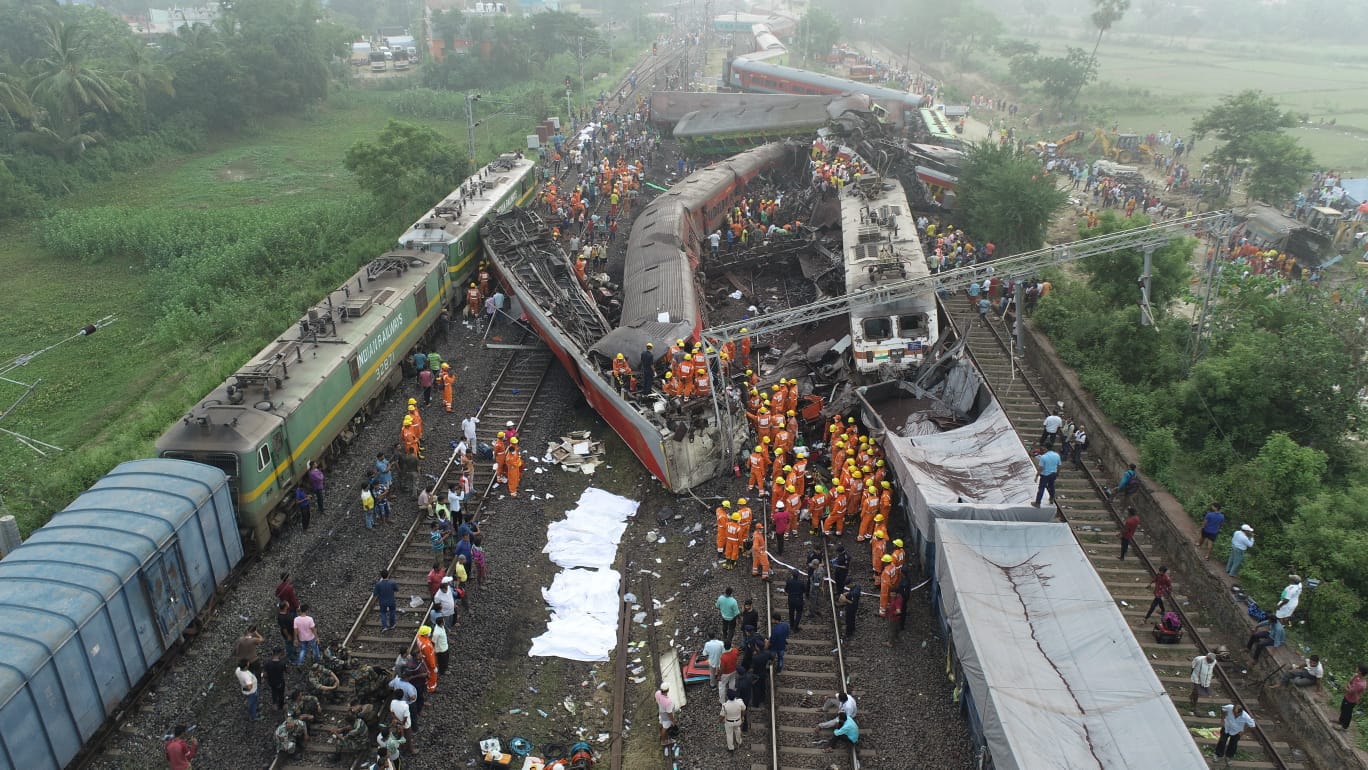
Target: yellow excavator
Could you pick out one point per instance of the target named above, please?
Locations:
(1057, 147)
(1122, 148)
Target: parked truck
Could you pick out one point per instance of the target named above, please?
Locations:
(378, 62)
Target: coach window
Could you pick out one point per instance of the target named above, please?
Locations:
(263, 458)
(878, 328)
(910, 325)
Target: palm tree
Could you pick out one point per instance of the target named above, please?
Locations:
(58, 136)
(144, 73)
(1106, 14)
(63, 80)
(14, 101)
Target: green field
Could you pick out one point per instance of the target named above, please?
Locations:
(107, 397)
(1322, 83)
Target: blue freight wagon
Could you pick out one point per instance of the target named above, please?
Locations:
(91, 601)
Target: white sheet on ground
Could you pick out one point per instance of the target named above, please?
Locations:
(584, 596)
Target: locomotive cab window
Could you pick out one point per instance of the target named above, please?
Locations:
(877, 328)
(263, 457)
(911, 324)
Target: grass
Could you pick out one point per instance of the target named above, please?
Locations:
(1185, 79)
(106, 398)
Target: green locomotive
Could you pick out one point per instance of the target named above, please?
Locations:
(304, 396)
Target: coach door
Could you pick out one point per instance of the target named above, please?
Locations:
(165, 583)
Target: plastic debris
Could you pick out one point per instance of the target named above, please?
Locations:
(570, 706)
(543, 713)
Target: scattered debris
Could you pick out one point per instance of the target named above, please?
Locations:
(576, 451)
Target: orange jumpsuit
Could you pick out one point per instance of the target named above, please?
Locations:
(409, 436)
(723, 516)
(747, 515)
(500, 456)
(763, 425)
(514, 463)
(417, 421)
(869, 507)
(888, 580)
(793, 501)
(877, 548)
(899, 557)
(746, 350)
(835, 521)
(484, 281)
(759, 464)
(686, 377)
(783, 439)
(885, 503)
(448, 382)
(733, 540)
(818, 504)
(702, 385)
(798, 479)
(429, 655)
(780, 483)
(760, 564)
(622, 373)
(473, 301)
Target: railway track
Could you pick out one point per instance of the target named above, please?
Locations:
(1095, 522)
(814, 669)
(509, 399)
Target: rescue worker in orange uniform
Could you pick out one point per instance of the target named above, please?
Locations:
(899, 556)
(417, 417)
(760, 563)
(745, 344)
(779, 483)
(670, 385)
(793, 500)
(622, 373)
(724, 513)
(869, 508)
(758, 462)
(762, 424)
(798, 479)
(732, 547)
(702, 383)
(473, 301)
(448, 382)
(888, 580)
(783, 439)
(409, 436)
(500, 454)
(429, 656)
(877, 548)
(483, 278)
(778, 399)
(835, 520)
(513, 462)
(747, 515)
(818, 507)
(685, 375)
(885, 499)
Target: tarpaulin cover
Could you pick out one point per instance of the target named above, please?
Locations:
(584, 596)
(1056, 675)
(977, 471)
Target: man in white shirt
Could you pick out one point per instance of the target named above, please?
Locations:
(1203, 667)
(248, 681)
(1052, 426)
(1309, 674)
(468, 429)
(841, 702)
(712, 649)
(1291, 597)
(444, 603)
(1234, 723)
(733, 713)
(1241, 541)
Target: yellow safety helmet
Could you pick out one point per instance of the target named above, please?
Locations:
(764, 439)
(898, 543)
(878, 517)
(446, 365)
(850, 420)
(741, 501)
(619, 355)
(736, 517)
(791, 413)
(758, 448)
(668, 375)
(408, 421)
(879, 533)
(744, 330)
(679, 342)
(472, 285)
(840, 490)
(425, 630)
(726, 503)
(413, 407)
(748, 371)
(503, 434)
(879, 464)
(820, 488)
(778, 451)
(886, 559)
(513, 440)
(885, 485)
(790, 488)
(788, 467)
(412, 402)
(764, 410)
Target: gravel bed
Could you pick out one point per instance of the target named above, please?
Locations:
(904, 697)
(334, 564)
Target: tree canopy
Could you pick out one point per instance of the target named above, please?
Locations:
(1250, 128)
(1004, 196)
(407, 162)
(1061, 78)
(818, 31)
(1115, 276)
